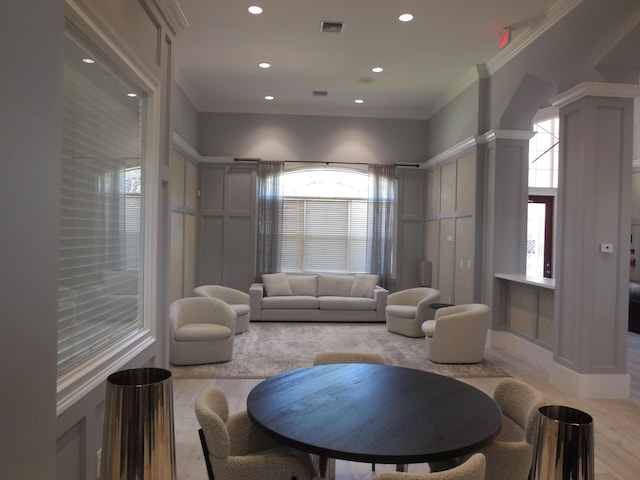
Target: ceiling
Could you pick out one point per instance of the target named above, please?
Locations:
(426, 61)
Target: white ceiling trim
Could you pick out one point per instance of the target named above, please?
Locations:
(173, 14)
(596, 89)
(522, 41)
(526, 38)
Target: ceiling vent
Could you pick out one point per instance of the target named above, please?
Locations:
(331, 27)
(320, 93)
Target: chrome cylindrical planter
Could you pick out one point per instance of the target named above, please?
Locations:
(563, 448)
(138, 438)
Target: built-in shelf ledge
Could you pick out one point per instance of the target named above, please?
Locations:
(549, 283)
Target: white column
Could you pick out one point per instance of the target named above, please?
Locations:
(593, 227)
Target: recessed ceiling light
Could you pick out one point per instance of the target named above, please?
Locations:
(255, 9)
(377, 69)
(269, 97)
(131, 95)
(264, 65)
(88, 60)
(405, 17)
(358, 100)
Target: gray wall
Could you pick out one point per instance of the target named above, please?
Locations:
(37, 442)
(184, 116)
(30, 127)
(454, 122)
(312, 138)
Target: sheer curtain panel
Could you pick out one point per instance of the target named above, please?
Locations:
(270, 213)
(380, 220)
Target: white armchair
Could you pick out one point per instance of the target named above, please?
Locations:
(201, 331)
(408, 309)
(237, 300)
(457, 334)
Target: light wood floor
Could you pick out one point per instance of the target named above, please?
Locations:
(617, 422)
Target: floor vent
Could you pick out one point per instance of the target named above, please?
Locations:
(331, 27)
(320, 93)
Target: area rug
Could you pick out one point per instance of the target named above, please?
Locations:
(269, 348)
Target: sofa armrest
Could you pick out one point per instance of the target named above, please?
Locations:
(256, 292)
(380, 296)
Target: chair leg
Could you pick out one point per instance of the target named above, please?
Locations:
(205, 452)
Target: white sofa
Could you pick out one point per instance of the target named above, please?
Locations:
(318, 298)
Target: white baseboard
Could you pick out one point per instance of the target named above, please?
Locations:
(581, 385)
(590, 385)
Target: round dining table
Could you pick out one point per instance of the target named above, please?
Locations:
(374, 413)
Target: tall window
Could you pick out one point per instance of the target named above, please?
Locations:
(325, 221)
(543, 183)
(543, 154)
(101, 205)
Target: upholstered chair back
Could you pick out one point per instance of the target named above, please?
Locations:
(212, 411)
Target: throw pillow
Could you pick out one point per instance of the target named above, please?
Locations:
(363, 285)
(276, 284)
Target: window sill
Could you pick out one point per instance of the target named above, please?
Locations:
(78, 383)
(542, 282)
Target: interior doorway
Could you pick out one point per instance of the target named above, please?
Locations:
(540, 236)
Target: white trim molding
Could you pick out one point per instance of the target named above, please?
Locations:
(450, 152)
(522, 41)
(589, 385)
(499, 134)
(173, 14)
(596, 89)
(611, 386)
(183, 147)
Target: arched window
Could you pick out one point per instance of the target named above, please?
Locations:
(325, 220)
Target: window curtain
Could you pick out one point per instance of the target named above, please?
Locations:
(380, 220)
(270, 211)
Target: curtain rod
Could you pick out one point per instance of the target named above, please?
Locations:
(417, 165)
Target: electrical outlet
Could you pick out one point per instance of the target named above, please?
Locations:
(606, 247)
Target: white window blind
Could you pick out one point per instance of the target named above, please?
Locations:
(324, 235)
(100, 205)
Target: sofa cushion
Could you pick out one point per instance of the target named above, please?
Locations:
(363, 285)
(276, 284)
(291, 301)
(335, 285)
(346, 303)
(304, 285)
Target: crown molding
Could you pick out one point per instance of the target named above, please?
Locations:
(596, 89)
(527, 37)
(522, 41)
(173, 14)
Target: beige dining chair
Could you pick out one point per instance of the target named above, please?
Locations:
(237, 300)
(472, 469)
(234, 449)
(511, 453)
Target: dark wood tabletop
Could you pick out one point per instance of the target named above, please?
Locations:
(374, 413)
